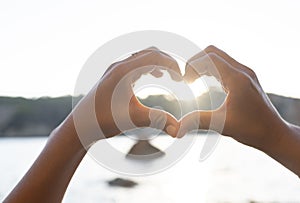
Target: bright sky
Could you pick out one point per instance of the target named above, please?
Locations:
(43, 44)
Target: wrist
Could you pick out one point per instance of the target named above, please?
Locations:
(67, 132)
(83, 120)
(275, 136)
(286, 149)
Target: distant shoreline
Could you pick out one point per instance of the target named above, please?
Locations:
(21, 117)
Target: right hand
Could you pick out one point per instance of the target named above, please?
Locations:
(250, 116)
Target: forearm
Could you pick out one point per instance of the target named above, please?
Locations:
(49, 176)
(287, 151)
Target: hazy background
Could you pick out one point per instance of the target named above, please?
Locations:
(43, 44)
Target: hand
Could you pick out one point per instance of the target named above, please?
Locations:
(115, 88)
(250, 116)
(49, 176)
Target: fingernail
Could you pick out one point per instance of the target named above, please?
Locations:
(171, 130)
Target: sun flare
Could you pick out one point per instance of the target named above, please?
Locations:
(197, 88)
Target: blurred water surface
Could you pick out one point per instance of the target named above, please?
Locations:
(233, 173)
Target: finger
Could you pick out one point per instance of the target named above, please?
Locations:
(212, 65)
(174, 72)
(157, 73)
(128, 58)
(150, 59)
(194, 121)
(131, 69)
(199, 65)
(231, 61)
(226, 57)
(213, 49)
(156, 118)
(191, 74)
(162, 120)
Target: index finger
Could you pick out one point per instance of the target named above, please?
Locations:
(210, 64)
(150, 60)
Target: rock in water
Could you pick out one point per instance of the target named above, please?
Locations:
(143, 150)
(120, 182)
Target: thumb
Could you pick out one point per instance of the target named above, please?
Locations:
(194, 121)
(159, 119)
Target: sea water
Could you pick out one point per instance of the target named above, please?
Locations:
(232, 173)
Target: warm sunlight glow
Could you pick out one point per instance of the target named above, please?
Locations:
(198, 88)
(144, 92)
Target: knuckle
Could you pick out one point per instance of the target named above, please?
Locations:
(119, 69)
(114, 65)
(210, 48)
(153, 48)
(213, 56)
(155, 57)
(251, 73)
(155, 53)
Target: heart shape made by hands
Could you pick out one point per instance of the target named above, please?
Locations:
(141, 115)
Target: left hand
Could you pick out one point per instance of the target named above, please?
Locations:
(123, 75)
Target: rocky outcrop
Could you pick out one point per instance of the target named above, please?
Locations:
(143, 150)
(120, 182)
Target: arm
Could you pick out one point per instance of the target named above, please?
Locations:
(49, 176)
(250, 116)
(287, 151)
